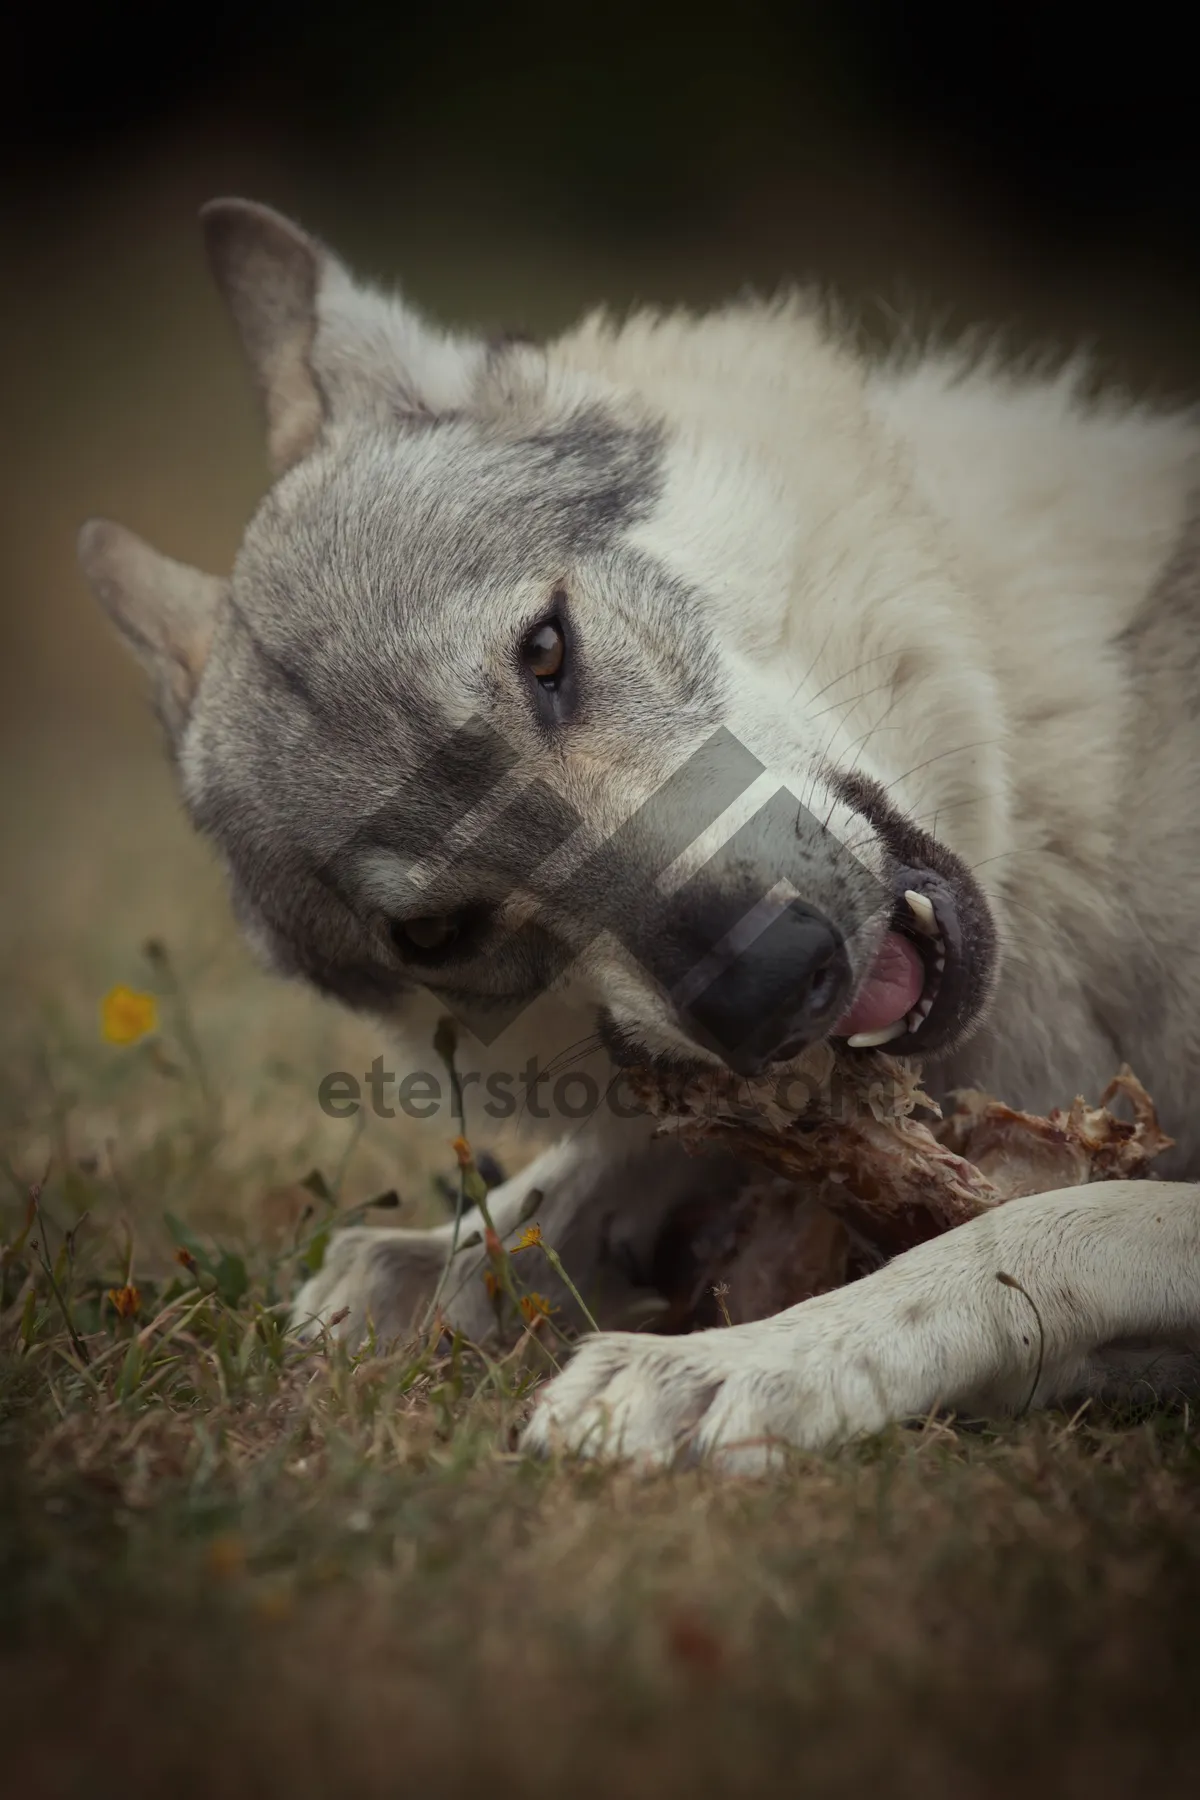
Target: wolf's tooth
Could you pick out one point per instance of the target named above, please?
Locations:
(870, 1040)
(920, 1012)
(921, 908)
(939, 963)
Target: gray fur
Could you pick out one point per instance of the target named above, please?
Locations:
(361, 576)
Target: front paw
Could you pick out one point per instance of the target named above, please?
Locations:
(371, 1281)
(723, 1395)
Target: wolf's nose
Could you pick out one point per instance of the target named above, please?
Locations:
(764, 991)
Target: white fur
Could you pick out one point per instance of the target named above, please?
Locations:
(936, 1327)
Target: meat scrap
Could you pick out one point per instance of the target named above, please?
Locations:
(853, 1177)
(1022, 1153)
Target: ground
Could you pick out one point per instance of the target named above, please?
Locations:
(229, 1562)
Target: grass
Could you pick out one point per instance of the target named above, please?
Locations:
(228, 1558)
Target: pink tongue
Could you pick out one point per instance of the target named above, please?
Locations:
(891, 990)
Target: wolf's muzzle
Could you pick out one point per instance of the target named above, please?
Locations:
(763, 986)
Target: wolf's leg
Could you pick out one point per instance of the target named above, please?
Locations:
(389, 1277)
(1004, 1310)
(602, 1209)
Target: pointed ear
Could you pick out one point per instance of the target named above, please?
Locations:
(165, 611)
(323, 347)
(269, 272)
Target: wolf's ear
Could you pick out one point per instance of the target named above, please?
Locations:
(269, 272)
(322, 346)
(163, 609)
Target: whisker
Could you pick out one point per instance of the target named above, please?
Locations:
(573, 1053)
(816, 659)
(955, 750)
(847, 673)
(1017, 850)
(560, 1064)
(916, 819)
(851, 699)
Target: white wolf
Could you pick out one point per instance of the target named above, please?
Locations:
(692, 689)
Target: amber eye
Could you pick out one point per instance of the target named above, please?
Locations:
(544, 651)
(435, 931)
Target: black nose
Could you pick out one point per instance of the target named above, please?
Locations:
(762, 992)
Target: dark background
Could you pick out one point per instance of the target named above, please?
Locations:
(627, 116)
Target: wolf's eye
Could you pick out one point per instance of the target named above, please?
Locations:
(434, 931)
(544, 651)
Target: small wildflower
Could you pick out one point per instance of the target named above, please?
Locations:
(530, 1237)
(126, 1301)
(492, 1244)
(185, 1258)
(491, 1284)
(535, 1307)
(127, 1016)
(462, 1152)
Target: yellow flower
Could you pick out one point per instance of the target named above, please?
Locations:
(491, 1284)
(127, 1302)
(126, 1016)
(529, 1238)
(462, 1152)
(535, 1307)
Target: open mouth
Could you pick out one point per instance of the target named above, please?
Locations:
(919, 992)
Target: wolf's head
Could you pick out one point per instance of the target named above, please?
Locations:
(630, 667)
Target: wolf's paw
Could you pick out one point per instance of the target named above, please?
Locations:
(740, 1397)
(370, 1279)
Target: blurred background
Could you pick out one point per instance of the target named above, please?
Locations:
(507, 166)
